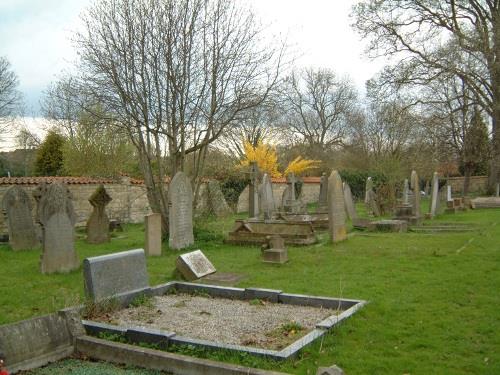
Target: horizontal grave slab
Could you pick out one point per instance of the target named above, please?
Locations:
(201, 304)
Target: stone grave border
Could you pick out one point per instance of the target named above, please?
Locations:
(164, 338)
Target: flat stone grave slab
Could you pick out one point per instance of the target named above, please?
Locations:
(444, 227)
(318, 220)
(388, 226)
(194, 265)
(261, 322)
(255, 232)
(361, 223)
(485, 202)
(113, 274)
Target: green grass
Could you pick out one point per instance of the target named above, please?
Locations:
(434, 304)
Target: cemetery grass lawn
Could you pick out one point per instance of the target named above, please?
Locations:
(434, 298)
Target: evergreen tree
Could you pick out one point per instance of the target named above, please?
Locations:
(49, 157)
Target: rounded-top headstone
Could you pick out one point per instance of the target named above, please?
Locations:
(336, 208)
(181, 212)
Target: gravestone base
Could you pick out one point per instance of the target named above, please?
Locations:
(388, 226)
(279, 256)
(361, 223)
(318, 220)
(403, 210)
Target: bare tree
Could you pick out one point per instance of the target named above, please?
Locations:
(458, 37)
(10, 97)
(316, 104)
(174, 74)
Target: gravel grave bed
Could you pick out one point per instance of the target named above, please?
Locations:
(249, 323)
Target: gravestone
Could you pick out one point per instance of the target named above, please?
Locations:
(216, 200)
(448, 193)
(497, 191)
(349, 203)
(57, 218)
(406, 191)
(16, 205)
(368, 187)
(323, 194)
(274, 251)
(98, 222)
(336, 209)
(371, 200)
(266, 199)
(434, 206)
(253, 191)
(415, 186)
(152, 229)
(181, 212)
(388, 226)
(194, 265)
(109, 275)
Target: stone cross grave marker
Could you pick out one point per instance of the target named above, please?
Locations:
(57, 217)
(349, 202)
(16, 205)
(253, 191)
(336, 209)
(98, 222)
(109, 275)
(273, 250)
(323, 193)
(180, 212)
(415, 186)
(434, 207)
(266, 199)
(152, 229)
(194, 265)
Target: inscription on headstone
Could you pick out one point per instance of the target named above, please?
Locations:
(98, 222)
(57, 218)
(336, 209)
(16, 205)
(194, 265)
(152, 230)
(181, 212)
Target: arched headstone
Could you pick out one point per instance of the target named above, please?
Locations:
(180, 213)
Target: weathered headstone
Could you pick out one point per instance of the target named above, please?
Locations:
(266, 199)
(16, 205)
(253, 191)
(349, 202)
(152, 229)
(108, 275)
(336, 209)
(57, 217)
(368, 188)
(216, 200)
(181, 212)
(288, 197)
(98, 222)
(434, 206)
(415, 186)
(371, 200)
(194, 265)
(406, 190)
(323, 194)
(274, 251)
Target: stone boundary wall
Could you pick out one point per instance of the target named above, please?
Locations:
(478, 184)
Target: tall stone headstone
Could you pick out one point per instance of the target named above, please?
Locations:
(152, 229)
(57, 218)
(368, 188)
(349, 203)
(266, 199)
(336, 209)
(253, 191)
(180, 213)
(16, 205)
(98, 222)
(323, 194)
(406, 191)
(415, 186)
(371, 200)
(448, 193)
(434, 206)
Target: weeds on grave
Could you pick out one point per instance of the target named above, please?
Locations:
(93, 310)
(291, 328)
(115, 337)
(256, 302)
(142, 300)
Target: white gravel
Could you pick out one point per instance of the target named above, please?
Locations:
(223, 320)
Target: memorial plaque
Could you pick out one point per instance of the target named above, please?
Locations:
(194, 265)
(180, 212)
(112, 274)
(336, 209)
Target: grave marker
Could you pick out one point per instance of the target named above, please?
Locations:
(336, 209)
(415, 185)
(434, 207)
(323, 194)
(180, 212)
(406, 188)
(253, 191)
(152, 229)
(98, 222)
(349, 203)
(194, 265)
(266, 199)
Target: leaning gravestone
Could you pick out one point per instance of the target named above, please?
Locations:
(194, 265)
(109, 275)
(349, 203)
(181, 212)
(323, 194)
(16, 204)
(152, 229)
(415, 185)
(434, 207)
(336, 209)
(98, 223)
(266, 199)
(57, 217)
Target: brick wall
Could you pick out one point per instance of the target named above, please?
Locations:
(478, 184)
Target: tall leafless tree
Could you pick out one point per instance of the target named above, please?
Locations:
(175, 74)
(10, 97)
(459, 37)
